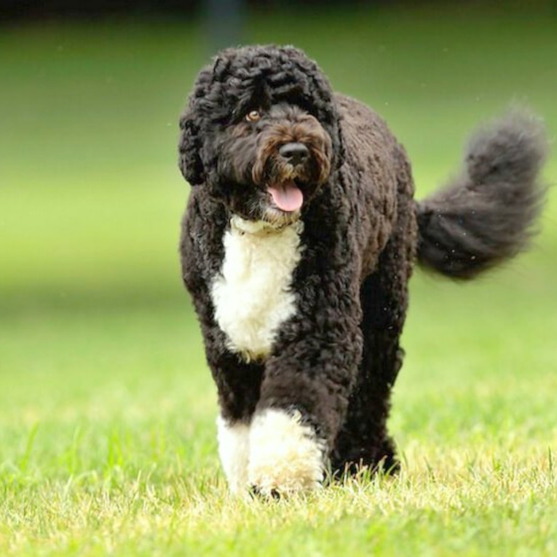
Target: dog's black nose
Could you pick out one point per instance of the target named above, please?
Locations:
(294, 153)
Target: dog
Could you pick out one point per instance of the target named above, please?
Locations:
(297, 245)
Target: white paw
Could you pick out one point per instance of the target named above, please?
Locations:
(286, 456)
(233, 442)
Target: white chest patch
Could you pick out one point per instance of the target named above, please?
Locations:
(251, 294)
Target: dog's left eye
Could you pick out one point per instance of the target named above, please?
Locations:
(253, 116)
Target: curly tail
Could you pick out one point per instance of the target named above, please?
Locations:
(486, 215)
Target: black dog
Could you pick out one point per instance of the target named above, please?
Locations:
(297, 245)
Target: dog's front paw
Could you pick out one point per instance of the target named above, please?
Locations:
(286, 456)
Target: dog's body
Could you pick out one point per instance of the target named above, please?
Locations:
(297, 247)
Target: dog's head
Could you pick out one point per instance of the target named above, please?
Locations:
(261, 132)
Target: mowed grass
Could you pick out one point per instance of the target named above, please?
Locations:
(107, 410)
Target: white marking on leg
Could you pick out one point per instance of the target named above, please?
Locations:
(233, 442)
(251, 294)
(285, 454)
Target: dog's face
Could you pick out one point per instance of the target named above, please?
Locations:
(260, 132)
(272, 161)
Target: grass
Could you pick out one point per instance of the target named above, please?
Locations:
(107, 435)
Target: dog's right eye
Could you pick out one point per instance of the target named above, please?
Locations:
(253, 116)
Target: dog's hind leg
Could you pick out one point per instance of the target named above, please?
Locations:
(363, 441)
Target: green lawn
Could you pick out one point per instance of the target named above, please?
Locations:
(107, 410)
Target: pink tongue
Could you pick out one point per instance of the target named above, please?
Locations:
(287, 196)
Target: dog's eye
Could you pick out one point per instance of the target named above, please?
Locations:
(253, 116)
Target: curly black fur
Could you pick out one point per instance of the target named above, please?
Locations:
(336, 359)
(486, 216)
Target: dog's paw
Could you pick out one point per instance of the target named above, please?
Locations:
(233, 440)
(286, 456)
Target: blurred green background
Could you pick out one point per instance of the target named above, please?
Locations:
(91, 300)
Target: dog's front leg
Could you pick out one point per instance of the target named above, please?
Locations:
(306, 384)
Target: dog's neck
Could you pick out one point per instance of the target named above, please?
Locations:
(260, 227)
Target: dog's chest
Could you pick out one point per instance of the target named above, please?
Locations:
(252, 293)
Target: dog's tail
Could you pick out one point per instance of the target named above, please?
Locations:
(488, 214)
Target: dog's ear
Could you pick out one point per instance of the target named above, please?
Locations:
(191, 129)
(328, 115)
(189, 148)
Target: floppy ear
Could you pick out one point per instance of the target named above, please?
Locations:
(191, 134)
(189, 148)
(328, 116)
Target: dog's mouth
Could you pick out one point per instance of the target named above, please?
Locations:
(287, 196)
